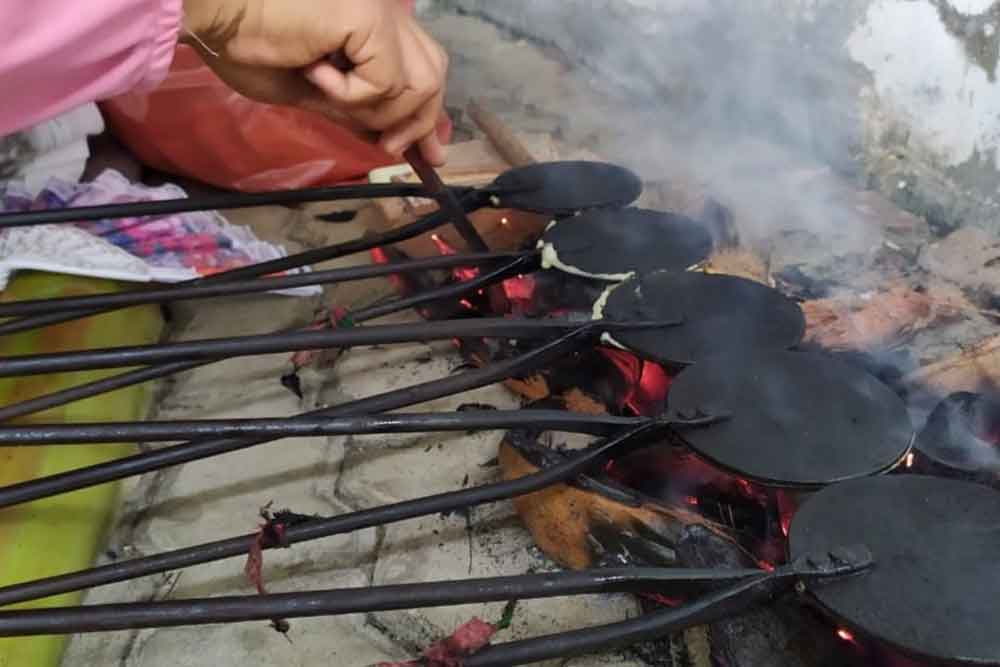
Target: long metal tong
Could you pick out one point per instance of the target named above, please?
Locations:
(567, 470)
(725, 593)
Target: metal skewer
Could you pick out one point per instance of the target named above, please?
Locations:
(97, 387)
(243, 346)
(256, 285)
(445, 198)
(743, 594)
(195, 450)
(158, 371)
(729, 592)
(233, 609)
(222, 201)
(470, 420)
(314, 529)
(305, 258)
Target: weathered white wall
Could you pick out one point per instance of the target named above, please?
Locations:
(925, 76)
(901, 92)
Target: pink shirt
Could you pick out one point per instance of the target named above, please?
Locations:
(57, 55)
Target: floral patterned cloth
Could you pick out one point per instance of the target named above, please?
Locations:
(168, 248)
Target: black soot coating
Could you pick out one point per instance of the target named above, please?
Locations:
(719, 314)
(563, 188)
(795, 418)
(934, 589)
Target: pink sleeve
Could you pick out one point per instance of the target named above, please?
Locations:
(56, 55)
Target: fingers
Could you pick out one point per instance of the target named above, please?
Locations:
(432, 150)
(347, 90)
(420, 125)
(397, 89)
(422, 88)
(415, 128)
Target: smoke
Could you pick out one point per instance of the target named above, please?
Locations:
(758, 102)
(961, 432)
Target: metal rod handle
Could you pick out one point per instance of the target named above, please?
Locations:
(250, 286)
(708, 609)
(95, 388)
(235, 546)
(305, 258)
(446, 199)
(234, 609)
(242, 346)
(138, 376)
(210, 202)
(472, 420)
(195, 450)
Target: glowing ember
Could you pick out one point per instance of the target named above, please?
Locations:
(746, 485)
(909, 460)
(646, 383)
(845, 634)
(664, 600)
(380, 256)
(654, 383)
(442, 245)
(680, 479)
(461, 274)
(519, 292)
(788, 503)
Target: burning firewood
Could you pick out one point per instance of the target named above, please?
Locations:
(974, 369)
(741, 263)
(564, 519)
(882, 319)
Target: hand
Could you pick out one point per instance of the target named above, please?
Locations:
(276, 51)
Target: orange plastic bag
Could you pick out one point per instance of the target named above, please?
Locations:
(193, 125)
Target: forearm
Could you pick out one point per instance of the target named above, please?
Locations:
(58, 55)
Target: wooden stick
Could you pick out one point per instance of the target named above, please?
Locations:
(503, 138)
